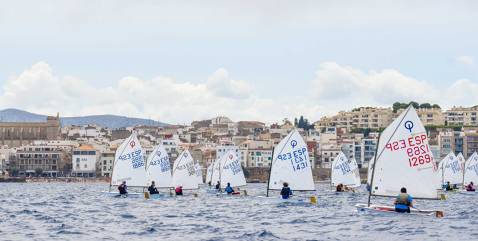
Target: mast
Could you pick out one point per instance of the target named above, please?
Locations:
(270, 170)
(373, 170)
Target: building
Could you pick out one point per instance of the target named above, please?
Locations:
(38, 161)
(107, 159)
(363, 117)
(15, 134)
(259, 157)
(470, 141)
(446, 142)
(221, 150)
(84, 161)
(431, 116)
(462, 116)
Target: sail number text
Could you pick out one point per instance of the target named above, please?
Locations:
(298, 158)
(416, 147)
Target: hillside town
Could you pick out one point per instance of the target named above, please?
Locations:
(49, 149)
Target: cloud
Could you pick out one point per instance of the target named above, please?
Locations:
(465, 60)
(335, 87)
(339, 87)
(39, 90)
(220, 83)
(336, 83)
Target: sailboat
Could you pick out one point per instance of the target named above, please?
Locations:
(184, 172)
(344, 172)
(199, 173)
(451, 170)
(209, 174)
(462, 160)
(215, 172)
(158, 168)
(471, 170)
(290, 164)
(231, 171)
(403, 159)
(129, 165)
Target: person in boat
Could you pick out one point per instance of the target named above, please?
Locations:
(152, 189)
(209, 183)
(229, 189)
(218, 185)
(285, 192)
(179, 191)
(340, 188)
(403, 202)
(470, 187)
(123, 189)
(448, 186)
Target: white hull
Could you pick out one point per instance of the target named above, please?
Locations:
(391, 209)
(132, 194)
(464, 192)
(298, 200)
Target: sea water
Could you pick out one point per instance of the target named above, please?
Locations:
(66, 211)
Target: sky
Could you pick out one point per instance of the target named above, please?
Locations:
(179, 61)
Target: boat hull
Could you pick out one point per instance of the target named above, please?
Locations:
(391, 209)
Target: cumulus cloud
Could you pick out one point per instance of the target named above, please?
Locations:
(336, 87)
(39, 90)
(465, 60)
(340, 87)
(334, 82)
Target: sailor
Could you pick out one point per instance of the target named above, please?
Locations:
(123, 189)
(403, 202)
(285, 192)
(448, 186)
(218, 185)
(340, 188)
(152, 189)
(470, 187)
(229, 189)
(179, 191)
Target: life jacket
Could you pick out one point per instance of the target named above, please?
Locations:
(179, 190)
(403, 199)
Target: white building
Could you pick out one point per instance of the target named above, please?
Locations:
(260, 157)
(84, 161)
(107, 159)
(221, 150)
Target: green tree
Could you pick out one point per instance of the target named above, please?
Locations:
(414, 104)
(436, 106)
(426, 106)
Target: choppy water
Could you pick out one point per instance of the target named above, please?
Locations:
(80, 212)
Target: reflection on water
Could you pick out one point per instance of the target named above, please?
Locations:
(46, 211)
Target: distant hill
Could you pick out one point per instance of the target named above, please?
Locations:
(110, 121)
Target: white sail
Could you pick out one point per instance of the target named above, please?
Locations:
(184, 171)
(344, 171)
(158, 167)
(451, 169)
(462, 160)
(215, 176)
(209, 174)
(199, 173)
(231, 171)
(471, 169)
(356, 171)
(291, 164)
(404, 159)
(129, 164)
